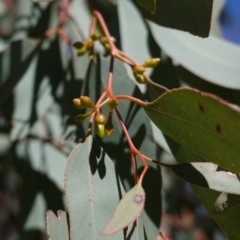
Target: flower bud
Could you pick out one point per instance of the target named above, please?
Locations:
(94, 36)
(107, 46)
(100, 118)
(151, 62)
(77, 103)
(81, 51)
(138, 69)
(86, 102)
(109, 125)
(88, 43)
(113, 103)
(139, 78)
(99, 129)
(78, 45)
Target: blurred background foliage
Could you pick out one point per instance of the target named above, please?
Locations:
(39, 77)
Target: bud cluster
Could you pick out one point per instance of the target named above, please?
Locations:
(138, 70)
(102, 127)
(83, 47)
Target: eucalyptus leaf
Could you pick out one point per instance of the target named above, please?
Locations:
(201, 122)
(92, 189)
(206, 175)
(14, 62)
(229, 221)
(57, 226)
(127, 211)
(201, 56)
(193, 16)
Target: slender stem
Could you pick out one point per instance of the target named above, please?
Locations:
(127, 57)
(93, 114)
(129, 140)
(106, 32)
(149, 81)
(163, 236)
(102, 104)
(123, 59)
(133, 99)
(145, 167)
(156, 162)
(92, 25)
(60, 32)
(134, 164)
(110, 77)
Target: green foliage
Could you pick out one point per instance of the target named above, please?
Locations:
(190, 15)
(92, 190)
(205, 118)
(66, 84)
(132, 203)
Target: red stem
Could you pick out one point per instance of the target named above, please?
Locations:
(130, 98)
(106, 32)
(134, 164)
(92, 25)
(130, 143)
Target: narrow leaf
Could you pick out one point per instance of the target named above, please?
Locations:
(201, 122)
(206, 175)
(127, 211)
(193, 16)
(57, 226)
(150, 5)
(201, 56)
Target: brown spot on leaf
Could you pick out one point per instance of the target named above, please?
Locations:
(218, 128)
(224, 206)
(201, 108)
(138, 199)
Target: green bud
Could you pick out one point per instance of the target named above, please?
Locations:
(81, 117)
(109, 125)
(81, 51)
(88, 43)
(94, 36)
(138, 69)
(139, 78)
(100, 118)
(151, 62)
(107, 46)
(86, 102)
(77, 103)
(78, 45)
(113, 103)
(99, 129)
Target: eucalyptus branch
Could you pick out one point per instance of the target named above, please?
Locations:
(130, 98)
